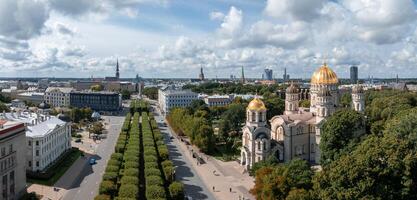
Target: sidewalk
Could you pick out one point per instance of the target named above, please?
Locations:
(221, 175)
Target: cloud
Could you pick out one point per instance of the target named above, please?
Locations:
(232, 23)
(22, 19)
(64, 29)
(76, 7)
(216, 15)
(304, 10)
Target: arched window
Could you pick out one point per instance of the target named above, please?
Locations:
(259, 145)
(253, 116)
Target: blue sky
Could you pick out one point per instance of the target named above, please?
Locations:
(167, 38)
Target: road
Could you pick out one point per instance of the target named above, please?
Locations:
(185, 172)
(82, 180)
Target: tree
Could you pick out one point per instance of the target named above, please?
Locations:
(3, 107)
(305, 103)
(379, 168)
(96, 128)
(125, 94)
(176, 190)
(340, 134)
(197, 105)
(277, 182)
(96, 88)
(346, 100)
(151, 92)
(275, 106)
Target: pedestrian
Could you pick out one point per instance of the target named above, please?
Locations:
(230, 189)
(213, 189)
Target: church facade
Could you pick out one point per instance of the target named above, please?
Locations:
(296, 133)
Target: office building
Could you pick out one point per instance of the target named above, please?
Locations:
(218, 100)
(170, 98)
(58, 96)
(47, 137)
(353, 74)
(267, 75)
(13, 159)
(97, 101)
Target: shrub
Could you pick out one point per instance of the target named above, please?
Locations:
(112, 168)
(176, 190)
(117, 156)
(154, 180)
(152, 172)
(131, 172)
(131, 158)
(107, 187)
(151, 165)
(169, 173)
(131, 165)
(113, 162)
(149, 152)
(128, 190)
(155, 192)
(150, 158)
(129, 180)
(102, 197)
(110, 176)
(167, 163)
(119, 148)
(163, 154)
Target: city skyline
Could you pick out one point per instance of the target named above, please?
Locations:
(167, 39)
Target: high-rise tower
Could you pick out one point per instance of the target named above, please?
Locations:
(242, 78)
(201, 76)
(117, 69)
(353, 74)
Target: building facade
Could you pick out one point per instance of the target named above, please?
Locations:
(267, 75)
(353, 74)
(168, 99)
(97, 101)
(296, 133)
(218, 100)
(58, 96)
(13, 157)
(47, 138)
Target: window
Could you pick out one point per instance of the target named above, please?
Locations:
(3, 151)
(30, 163)
(11, 148)
(37, 143)
(259, 145)
(37, 152)
(30, 143)
(4, 187)
(37, 163)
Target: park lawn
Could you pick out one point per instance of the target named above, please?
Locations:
(60, 168)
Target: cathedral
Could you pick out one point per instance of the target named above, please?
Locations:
(296, 133)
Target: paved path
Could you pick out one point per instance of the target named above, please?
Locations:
(82, 179)
(223, 176)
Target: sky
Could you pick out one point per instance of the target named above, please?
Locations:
(174, 38)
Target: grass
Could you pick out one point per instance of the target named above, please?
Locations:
(58, 169)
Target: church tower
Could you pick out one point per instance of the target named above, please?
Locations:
(324, 77)
(358, 99)
(292, 98)
(324, 103)
(256, 113)
(117, 70)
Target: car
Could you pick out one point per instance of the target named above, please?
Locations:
(92, 161)
(78, 140)
(172, 137)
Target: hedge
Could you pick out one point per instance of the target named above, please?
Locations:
(110, 176)
(112, 168)
(176, 190)
(102, 197)
(117, 156)
(154, 180)
(107, 187)
(131, 172)
(155, 192)
(129, 180)
(128, 190)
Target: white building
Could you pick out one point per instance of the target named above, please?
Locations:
(48, 137)
(218, 100)
(58, 96)
(12, 160)
(168, 99)
(17, 103)
(296, 133)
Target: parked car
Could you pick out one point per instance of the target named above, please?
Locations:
(92, 161)
(77, 140)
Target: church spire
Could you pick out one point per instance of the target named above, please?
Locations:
(243, 76)
(117, 69)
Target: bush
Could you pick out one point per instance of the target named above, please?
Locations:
(110, 176)
(152, 172)
(151, 165)
(163, 154)
(149, 152)
(112, 168)
(176, 190)
(128, 190)
(131, 172)
(117, 156)
(150, 158)
(102, 197)
(129, 180)
(130, 158)
(119, 148)
(131, 165)
(169, 173)
(167, 163)
(113, 162)
(154, 180)
(155, 192)
(107, 187)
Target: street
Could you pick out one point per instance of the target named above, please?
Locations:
(185, 172)
(82, 179)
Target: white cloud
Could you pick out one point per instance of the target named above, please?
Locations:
(232, 23)
(216, 15)
(305, 10)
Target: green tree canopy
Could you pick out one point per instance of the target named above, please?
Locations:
(340, 134)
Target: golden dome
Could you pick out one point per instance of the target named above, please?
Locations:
(257, 105)
(325, 76)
